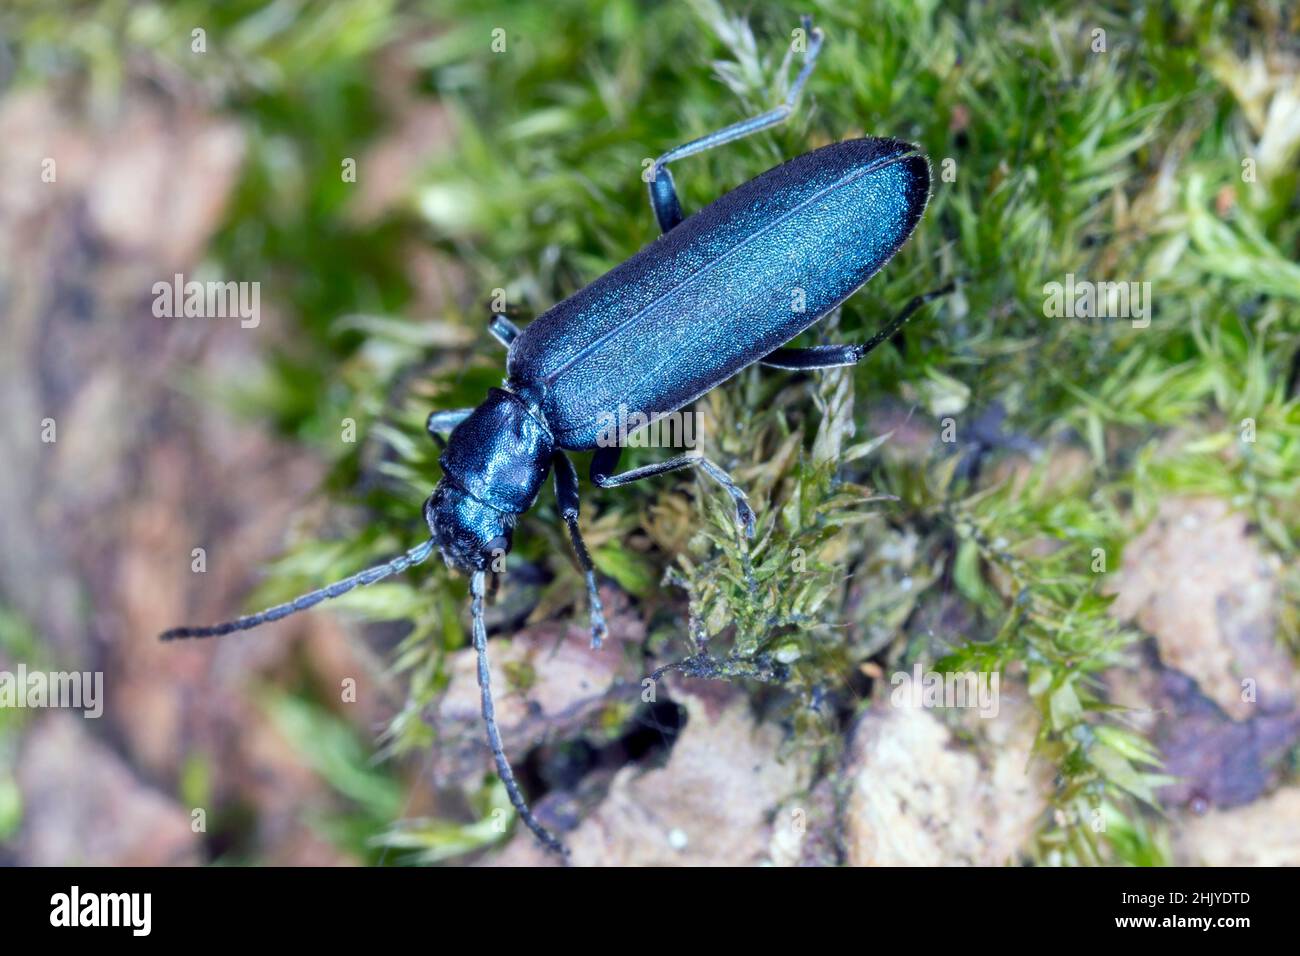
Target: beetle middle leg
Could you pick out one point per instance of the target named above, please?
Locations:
(836, 356)
(566, 493)
(605, 461)
(663, 191)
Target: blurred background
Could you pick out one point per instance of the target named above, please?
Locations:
(1101, 510)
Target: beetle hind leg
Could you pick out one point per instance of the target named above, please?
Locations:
(837, 356)
(663, 191)
(817, 357)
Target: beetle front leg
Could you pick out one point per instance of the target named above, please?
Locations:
(566, 494)
(442, 423)
(663, 191)
(605, 461)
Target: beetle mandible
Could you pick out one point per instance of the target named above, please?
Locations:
(713, 294)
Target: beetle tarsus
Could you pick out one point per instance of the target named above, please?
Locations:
(744, 513)
(663, 191)
(599, 629)
(815, 37)
(566, 495)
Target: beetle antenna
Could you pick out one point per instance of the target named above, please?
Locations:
(476, 587)
(369, 576)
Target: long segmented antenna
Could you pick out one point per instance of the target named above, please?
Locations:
(507, 775)
(369, 576)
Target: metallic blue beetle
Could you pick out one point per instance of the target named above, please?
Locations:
(717, 292)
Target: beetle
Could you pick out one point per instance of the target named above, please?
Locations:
(715, 293)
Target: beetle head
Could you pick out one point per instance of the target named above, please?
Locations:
(471, 535)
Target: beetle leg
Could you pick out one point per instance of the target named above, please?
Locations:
(819, 356)
(663, 191)
(606, 460)
(502, 329)
(566, 494)
(835, 356)
(441, 423)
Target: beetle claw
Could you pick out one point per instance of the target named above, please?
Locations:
(599, 631)
(745, 515)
